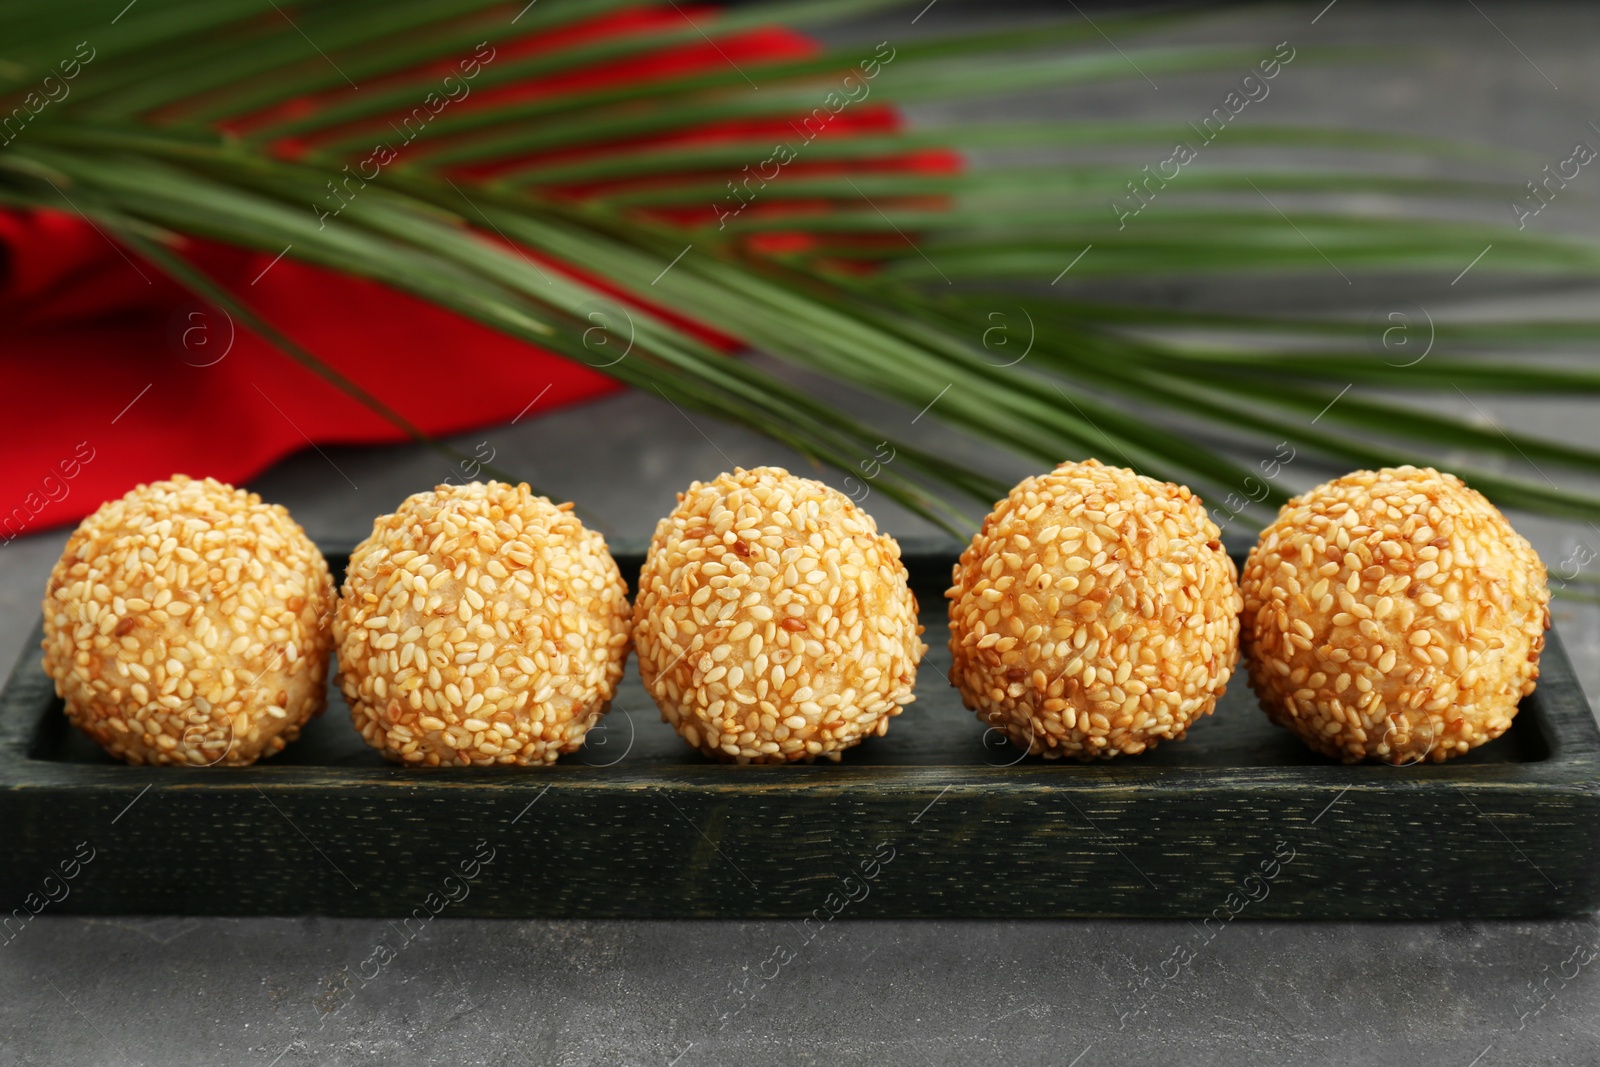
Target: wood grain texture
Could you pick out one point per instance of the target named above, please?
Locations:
(935, 819)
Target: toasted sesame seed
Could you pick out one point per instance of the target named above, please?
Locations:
(143, 590)
(1440, 620)
(480, 625)
(1138, 635)
(813, 642)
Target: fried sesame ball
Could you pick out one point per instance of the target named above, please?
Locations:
(1095, 614)
(1393, 615)
(773, 621)
(480, 624)
(188, 623)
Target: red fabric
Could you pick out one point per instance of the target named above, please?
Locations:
(116, 375)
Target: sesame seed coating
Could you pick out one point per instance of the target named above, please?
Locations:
(773, 621)
(188, 623)
(478, 625)
(1094, 614)
(1393, 615)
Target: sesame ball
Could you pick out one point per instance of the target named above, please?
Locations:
(1393, 615)
(1094, 614)
(188, 623)
(478, 625)
(773, 621)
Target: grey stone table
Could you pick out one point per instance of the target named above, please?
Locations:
(178, 990)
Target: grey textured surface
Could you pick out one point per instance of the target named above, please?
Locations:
(261, 991)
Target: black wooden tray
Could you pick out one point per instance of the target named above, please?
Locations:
(938, 818)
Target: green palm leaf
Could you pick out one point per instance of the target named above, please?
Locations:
(893, 275)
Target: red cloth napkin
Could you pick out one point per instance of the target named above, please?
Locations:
(118, 376)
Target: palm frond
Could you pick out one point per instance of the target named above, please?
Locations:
(219, 119)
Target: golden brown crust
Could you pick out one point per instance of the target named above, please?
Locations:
(188, 623)
(1393, 615)
(478, 625)
(773, 621)
(1094, 615)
